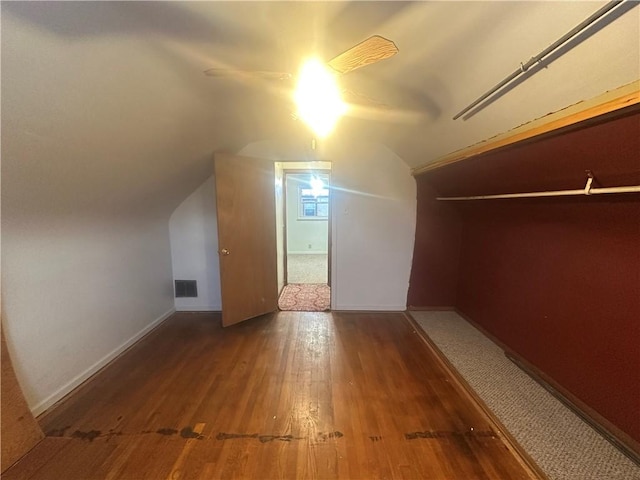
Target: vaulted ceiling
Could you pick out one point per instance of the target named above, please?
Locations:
(107, 101)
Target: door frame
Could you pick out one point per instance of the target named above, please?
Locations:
(298, 171)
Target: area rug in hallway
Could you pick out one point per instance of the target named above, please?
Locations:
(305, 297)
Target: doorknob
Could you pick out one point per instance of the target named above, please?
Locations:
(224, 251)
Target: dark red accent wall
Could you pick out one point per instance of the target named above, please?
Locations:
(436, 251)
(556, 280)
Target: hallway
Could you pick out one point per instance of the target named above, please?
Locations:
(311, 268)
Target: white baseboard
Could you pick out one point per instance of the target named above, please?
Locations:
(67, 388)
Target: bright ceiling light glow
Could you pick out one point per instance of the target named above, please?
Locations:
(318, 98)
(317, 186)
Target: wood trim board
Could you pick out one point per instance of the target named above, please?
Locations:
(581, 114)
(510, 441)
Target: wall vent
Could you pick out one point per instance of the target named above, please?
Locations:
(186, 288)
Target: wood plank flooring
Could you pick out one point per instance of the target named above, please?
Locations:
(289, 395)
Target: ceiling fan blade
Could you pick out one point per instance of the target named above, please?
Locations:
(372, 50)
(245, 74)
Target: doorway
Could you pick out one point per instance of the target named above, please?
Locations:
(306, 217)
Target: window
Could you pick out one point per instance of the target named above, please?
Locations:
(313, 200)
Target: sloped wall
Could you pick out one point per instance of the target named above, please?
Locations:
(94, 160)
(557, 280)
(77, 293)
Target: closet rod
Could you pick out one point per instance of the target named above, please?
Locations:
(558, 193)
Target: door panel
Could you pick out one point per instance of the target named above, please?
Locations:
(246, 237)
(20, 431)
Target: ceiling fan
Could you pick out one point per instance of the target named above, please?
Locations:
(371, 50)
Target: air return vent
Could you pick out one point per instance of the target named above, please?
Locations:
(186, 288)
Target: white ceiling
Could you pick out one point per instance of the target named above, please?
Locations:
(104, 97)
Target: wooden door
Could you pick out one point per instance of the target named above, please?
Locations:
(20, 431)
(245, 199)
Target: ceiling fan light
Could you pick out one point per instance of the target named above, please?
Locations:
(317, 97)
(317, 186)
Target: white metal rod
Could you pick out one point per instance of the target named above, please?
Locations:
(615, 190)
(533, 60)
(557, 193)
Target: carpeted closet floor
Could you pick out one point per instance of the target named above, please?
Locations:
(563, 445)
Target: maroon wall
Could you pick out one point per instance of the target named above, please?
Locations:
(556, 280)
(434, 274)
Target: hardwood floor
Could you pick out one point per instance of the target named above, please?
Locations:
(289, 395)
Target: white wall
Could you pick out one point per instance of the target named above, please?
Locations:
(373, 223)
(93, 164)
(373, 230)
(77, 291)
(303, 236)
(194, 248)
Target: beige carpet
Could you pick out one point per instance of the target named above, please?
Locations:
(564, 446)
(311, 268)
